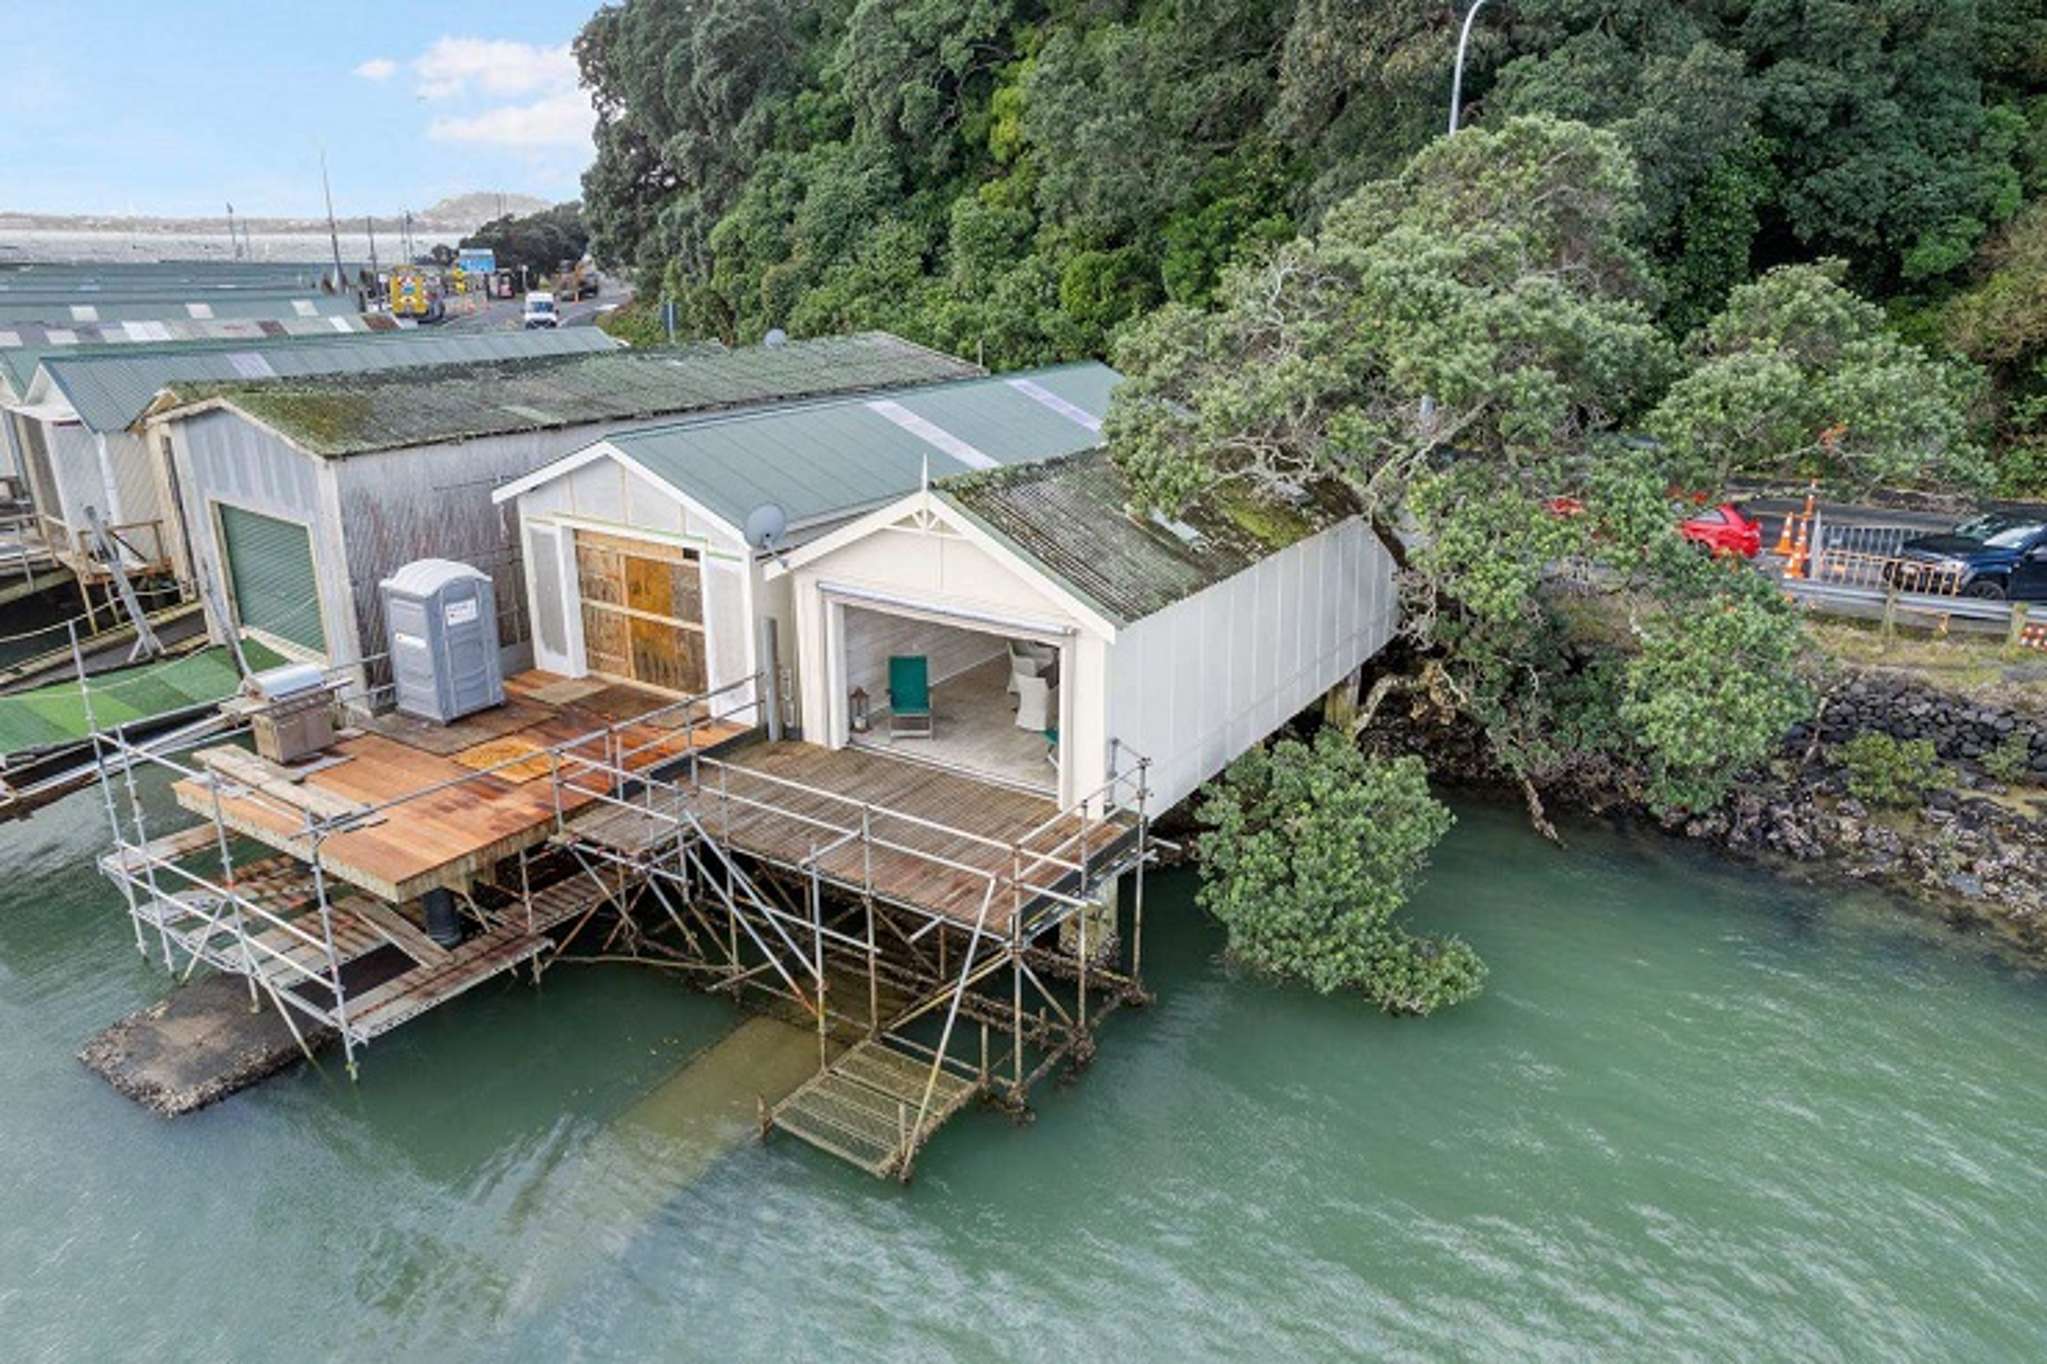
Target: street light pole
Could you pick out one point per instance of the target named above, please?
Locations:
(1457, 75)
(1456, 106)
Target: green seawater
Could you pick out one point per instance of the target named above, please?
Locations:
(1699, 1113)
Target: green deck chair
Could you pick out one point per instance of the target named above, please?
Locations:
(909, 696)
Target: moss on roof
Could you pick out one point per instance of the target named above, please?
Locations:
(1073, 517)
(341, 415)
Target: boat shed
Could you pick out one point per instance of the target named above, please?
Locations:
(641, 569)
(1185, 640)
(24, 345)
(299, 496)
(78, 422)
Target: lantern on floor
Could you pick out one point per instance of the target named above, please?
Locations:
(859, 712)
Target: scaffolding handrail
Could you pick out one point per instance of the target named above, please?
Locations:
(839, 831)
(229, 895)
(117, 739)
(884, 811)
(1106, 792)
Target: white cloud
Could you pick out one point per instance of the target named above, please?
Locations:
(558, 120)
(377, 69)
(494, 66)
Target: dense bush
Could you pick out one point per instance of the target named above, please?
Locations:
(1142, 146)
(1308, 853)
(1887, 771)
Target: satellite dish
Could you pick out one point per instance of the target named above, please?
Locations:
(765, 525)
(775, 337)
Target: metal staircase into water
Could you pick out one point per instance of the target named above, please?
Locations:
(864, 1106)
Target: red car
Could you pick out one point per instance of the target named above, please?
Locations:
(1726, 529)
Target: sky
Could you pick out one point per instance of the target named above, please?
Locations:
(178, 107)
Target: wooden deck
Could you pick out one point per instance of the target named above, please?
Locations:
(446, 837)
(769, 818)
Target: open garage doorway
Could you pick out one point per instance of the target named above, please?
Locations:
(993, 703)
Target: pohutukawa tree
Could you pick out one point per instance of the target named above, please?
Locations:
(1309, 854)
(1464, 346)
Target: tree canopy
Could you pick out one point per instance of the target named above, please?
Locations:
(1122, 151)
(1469, 346)
(538, 241)
(1310, 851)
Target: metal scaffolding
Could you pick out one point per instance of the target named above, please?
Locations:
(936, 963)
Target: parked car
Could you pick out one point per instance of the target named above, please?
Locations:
(1725, 529)
(1995, 555)
(540, 311)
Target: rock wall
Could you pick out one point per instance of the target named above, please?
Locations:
(1962, 730)
(1967, 851)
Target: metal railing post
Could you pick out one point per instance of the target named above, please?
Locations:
(315, 837)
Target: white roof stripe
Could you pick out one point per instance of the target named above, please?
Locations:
(933, 434)
(1039, 393)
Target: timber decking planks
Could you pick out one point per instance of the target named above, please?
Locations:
(446, 837)
(964, 804)
(171, 847)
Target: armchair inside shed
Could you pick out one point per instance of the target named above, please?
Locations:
(993, 698)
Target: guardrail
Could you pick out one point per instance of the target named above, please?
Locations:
(1938, 612)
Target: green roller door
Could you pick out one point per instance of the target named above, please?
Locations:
(270, 568)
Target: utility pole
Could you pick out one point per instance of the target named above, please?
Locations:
(369, 226)
(234, 245)
(333, 232)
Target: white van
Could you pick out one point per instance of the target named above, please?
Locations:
(540, 311)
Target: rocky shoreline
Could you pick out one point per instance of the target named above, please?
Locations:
(1973, 850)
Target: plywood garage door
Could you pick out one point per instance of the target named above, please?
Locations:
(643, 611)
(270, 572)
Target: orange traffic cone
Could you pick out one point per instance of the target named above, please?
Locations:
(1794, 567)
(1783, 549)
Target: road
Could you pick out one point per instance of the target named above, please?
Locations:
(1772, 511)
(504, 314)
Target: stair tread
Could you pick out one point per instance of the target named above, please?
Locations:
(856, 1108)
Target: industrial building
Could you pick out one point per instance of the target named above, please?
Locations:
(299, 495)
(78, 422)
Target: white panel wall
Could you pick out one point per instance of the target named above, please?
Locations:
(606, 496)
(945, 572)
(872, 637)
(75, 460)
(134, 475)
(1203, 681)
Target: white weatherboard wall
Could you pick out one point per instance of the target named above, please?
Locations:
(607, 496)
(1196, 685)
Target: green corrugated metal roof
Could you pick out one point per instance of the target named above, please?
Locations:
(344, 416)
(55, 715)
(160, 275)
(1071, 517)
(825, 460)
(110, 388)
(220, 304)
